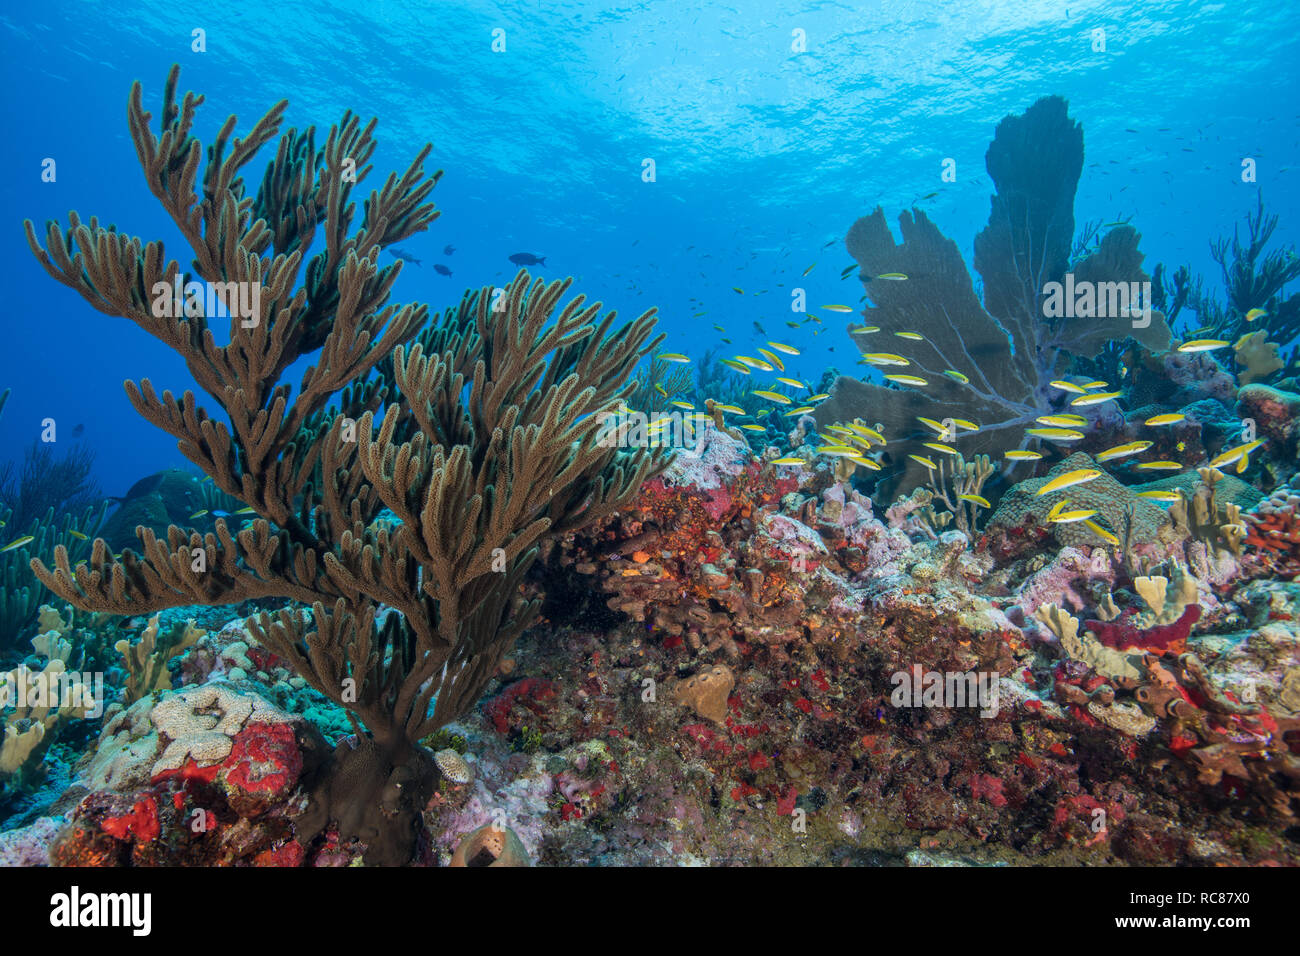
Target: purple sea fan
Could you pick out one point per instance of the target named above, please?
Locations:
(1004, 351)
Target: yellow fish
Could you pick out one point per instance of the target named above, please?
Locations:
(931, 423)
(837, 308)
(808, 270)
(788, 460)
(1097, 384)
(977, 499)
(1058, 420)
(660, 389)
(1069, 387)
(200, 513)
(751, 362)
(738, 290)
(1170, 419)
(782, 347)
(737, 366)
(1095, 398)
(885, 358)
(1160, 466)
(1254, 314)
(77, 534)
(838, 451)
(1070, 479)
(956, 375)
(801, 410)
(866, 463)
(753, 428)
(869, 433)
(1232, 454)
(794, 382)
(1101, 532)
(1202, 345)
(18, 543)
(921, 459)
(1021, 455)
(940, 446)
(907, 379)
(914, 336)
(734, 409)
(773, 358)
(966, 424)
(774, 397)
(1055, 434)
(1166, 496)
(865, 329)
(1068, 517)
(892, 276)
(819, 396)
(1057, 508)
(245, 511)
(677, 357)
(1123, 451)
(686, 405)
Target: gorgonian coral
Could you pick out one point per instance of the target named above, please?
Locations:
(993, 362)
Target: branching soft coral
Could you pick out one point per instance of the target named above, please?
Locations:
(493, 446)
(1252, 279)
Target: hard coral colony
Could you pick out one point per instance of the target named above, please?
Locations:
(511, 589)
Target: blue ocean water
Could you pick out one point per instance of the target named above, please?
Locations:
(763, 156)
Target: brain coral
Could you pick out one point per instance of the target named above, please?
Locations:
(1022, 506)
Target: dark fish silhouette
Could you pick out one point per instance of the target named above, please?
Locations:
(403, 255)
(448, 250)
(527, 259)
(442, 270)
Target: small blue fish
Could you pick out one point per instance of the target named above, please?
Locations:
(442, 270)
(403, 255)
(527, 259)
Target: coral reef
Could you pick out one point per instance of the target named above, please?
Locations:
(208, 775)
(1273, 531)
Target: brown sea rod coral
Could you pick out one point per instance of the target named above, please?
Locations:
(480, 437)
